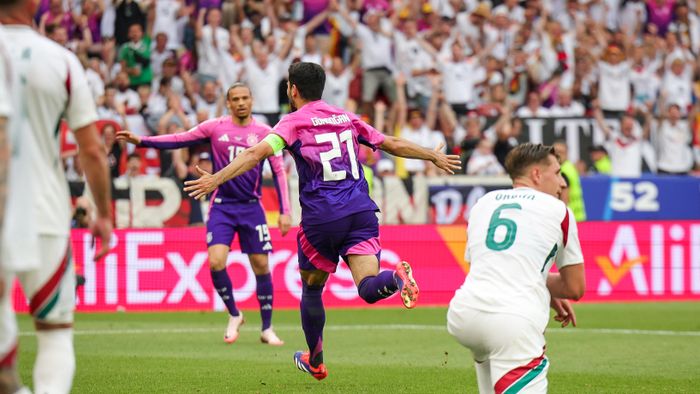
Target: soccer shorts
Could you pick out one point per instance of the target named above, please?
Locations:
(247, 219)
(508, 349)
(320, 245)
(50, 290)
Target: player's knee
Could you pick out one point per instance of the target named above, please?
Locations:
(217, 264)
(260, 264)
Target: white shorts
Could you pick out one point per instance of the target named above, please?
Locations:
(508, 349)
(50, 290)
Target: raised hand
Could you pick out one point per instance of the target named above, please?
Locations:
(448, 163)
(128, 136)
(201, 187)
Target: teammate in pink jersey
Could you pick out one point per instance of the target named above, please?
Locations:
(235, 206)
(338, 215)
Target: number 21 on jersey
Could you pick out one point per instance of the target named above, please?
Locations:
(335, 152)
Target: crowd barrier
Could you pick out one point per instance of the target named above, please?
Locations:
(166, 269)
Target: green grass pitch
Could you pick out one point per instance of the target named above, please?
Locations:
(618, 348)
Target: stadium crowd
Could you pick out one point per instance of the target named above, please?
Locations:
(459, 72)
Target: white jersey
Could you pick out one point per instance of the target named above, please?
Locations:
(513, 239)
(52, 86)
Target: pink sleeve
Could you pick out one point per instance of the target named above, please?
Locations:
(367, 135)
(196, 135)
(286, 129)
(280, 178)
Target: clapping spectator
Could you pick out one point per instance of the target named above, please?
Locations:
(135, 57)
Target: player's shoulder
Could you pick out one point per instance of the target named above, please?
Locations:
(260, 127)
(49, 49)
(214, 123)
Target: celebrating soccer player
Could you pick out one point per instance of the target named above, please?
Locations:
(236, 204)
(338, 215)
(513, 239)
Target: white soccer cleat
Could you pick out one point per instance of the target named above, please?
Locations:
(234, 324)
(269, 337)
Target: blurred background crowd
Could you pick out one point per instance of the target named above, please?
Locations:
(459, 72)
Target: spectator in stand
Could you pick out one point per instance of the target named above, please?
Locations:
(58, 15)
(678, 82)
(177, 84)
(566, 106)
(127, 13)
(160, 54)
(213, 43)
(483, 162)
(660, 14)
(614, 87)
(135, 57)
(625, 147)
(459, 76)
(414, 57)
(133, 167)
(125, 95)
(211, 100)
(645, 81)
(672, 138)
(263, 72)
(167, 13)
(338, 79)
(533, 108)
(111, 108)
(377, 60)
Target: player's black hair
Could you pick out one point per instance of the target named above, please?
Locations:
(237, 85)
(524, 155)
(309, 78)
(133, 155)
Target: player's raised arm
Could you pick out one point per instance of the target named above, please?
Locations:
(195, 136)
(244, 162)
(403, 148)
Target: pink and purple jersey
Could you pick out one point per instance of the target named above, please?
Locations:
(227, 141)
(324, 141)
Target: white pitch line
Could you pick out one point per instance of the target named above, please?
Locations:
(368, 327)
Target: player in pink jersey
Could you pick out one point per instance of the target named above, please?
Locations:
(235, 205)
(338, 215)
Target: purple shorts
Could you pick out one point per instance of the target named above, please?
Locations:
(246, 219)
(320, 245)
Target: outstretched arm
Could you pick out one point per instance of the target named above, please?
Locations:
(243, 163)
(195, 136)
(404, 148)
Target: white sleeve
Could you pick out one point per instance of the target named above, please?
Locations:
(80, 110)
(571, 251)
